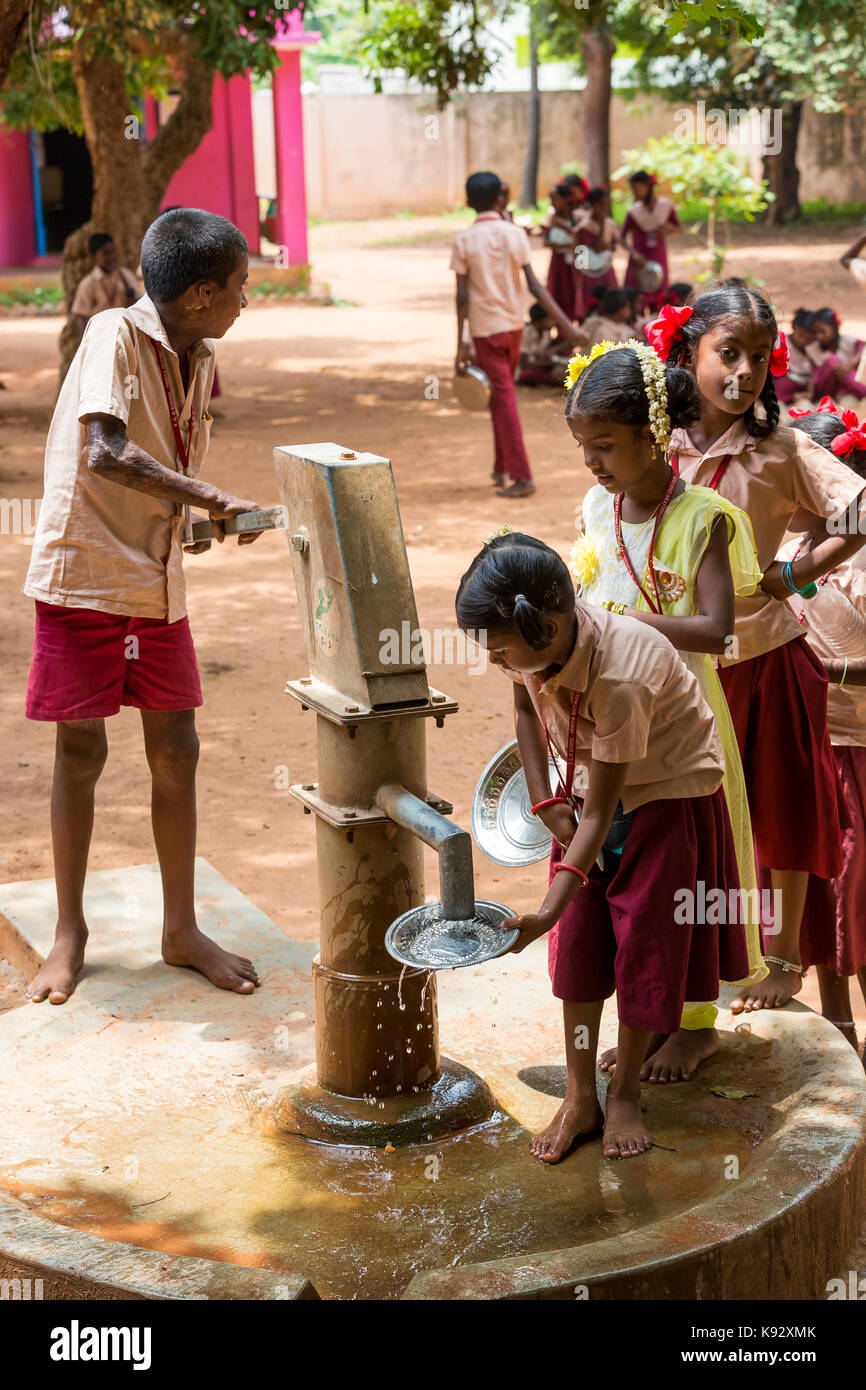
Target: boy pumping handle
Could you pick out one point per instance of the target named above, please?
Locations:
(129, 433)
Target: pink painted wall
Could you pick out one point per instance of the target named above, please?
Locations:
(17, 229)
(219, 176)
(291, 220)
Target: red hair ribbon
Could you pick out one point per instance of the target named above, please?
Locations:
(653, 180)
(826, 406)
(836, 318)
(779, 357)
(664, 331)
(853, 438)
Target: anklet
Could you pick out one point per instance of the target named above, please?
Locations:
(785, 965)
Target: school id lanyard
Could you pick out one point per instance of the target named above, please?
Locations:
(184, 450)
(717, 476)
(570, 748)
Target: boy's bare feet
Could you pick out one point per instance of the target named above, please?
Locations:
(522, 488)
(576, 1117)
(625, 1133)
(770, 993)
(56, 979)
(192, 949)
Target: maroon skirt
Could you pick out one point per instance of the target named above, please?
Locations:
(778, 704)
(625, 930)
(833, 930)
(560, 282)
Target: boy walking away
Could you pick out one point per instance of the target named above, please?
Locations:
(489, 259)
(130, 431)
(107, 286)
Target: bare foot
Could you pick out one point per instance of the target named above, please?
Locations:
(574, 1118)
(771, 993)
(625, 1133)
(56, 979)
(680, 1054)
(607, 1061)
(192, 949)
(522, 488)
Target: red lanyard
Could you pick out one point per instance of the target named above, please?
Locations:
(623, 553)
(570, 751)
(717, 476)
(184, 450)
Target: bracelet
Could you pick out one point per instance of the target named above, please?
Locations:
(618, 608)
(551, 801)
(844, 673)
(572, 869)
(787, 578)
(786, 966)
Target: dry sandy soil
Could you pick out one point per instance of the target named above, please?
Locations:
(355, 375)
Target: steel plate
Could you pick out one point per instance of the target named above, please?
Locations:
(423, 939)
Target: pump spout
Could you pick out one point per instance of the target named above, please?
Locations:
(453, 846)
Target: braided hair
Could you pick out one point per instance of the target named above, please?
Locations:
(515, 583)
(733, 299)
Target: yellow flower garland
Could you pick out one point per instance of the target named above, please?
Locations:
(653, 373)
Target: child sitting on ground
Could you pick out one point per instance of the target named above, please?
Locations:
(609, 317)
(106, 286)
(106, 573)
(797, 381)
(543, 356)
(836, 356)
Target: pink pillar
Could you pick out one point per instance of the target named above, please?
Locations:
(239, 116)
(17, 228)
(291, 220)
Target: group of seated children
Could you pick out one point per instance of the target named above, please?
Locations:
(824, 361)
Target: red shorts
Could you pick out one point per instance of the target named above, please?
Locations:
(622, 930)
(86, 664)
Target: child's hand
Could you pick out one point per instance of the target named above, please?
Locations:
(224, 505)
(561, 823)
(772, 582)
(531, 926)
(462, 360)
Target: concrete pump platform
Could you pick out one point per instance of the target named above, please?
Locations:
(138, 1159)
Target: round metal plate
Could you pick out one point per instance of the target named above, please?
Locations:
(650, 277)
(593, 263)
(423, 939)
(503, 826)
(473, 389)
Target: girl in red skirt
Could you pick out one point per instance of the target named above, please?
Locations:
(643, 770)
(598, 234)
(775, 685)
(559, 235)
(833, 932)
(647, 226)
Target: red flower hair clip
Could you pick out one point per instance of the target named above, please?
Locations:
(826, 406)
(853, 438)
(779, 357)
(667, 328)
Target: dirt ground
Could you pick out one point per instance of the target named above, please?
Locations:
(355, 375)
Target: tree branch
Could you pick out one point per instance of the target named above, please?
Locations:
(185, 128)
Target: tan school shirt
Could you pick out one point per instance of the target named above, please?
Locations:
(834, 623)
(99, 544)
(639, 705)
(769, 479)
(493, 252)
(99, 290)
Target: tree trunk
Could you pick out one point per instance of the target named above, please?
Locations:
(13, 17)
(598, 50)
(529, 182)
(781, 172)
(121, 161)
